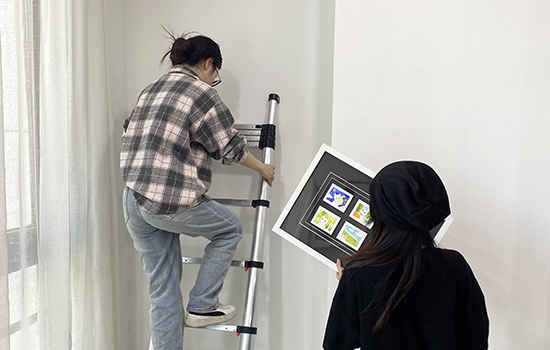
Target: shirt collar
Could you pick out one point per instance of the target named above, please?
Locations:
(184, 70)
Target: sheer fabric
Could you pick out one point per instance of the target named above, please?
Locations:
(4, 301)
(18, 229)
(59, 206)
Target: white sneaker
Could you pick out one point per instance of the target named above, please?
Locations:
(220, 314)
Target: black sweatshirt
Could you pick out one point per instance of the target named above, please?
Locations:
(444, 310)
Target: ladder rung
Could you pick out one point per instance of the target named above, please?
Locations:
(252, 138)
(241, 127)
(247, 132)
(235, 263)
(235, 202)
(229, 328)
(221, 327)
(252, 133)
(238, 263)
(258, 135)
(244, 202)
(186, 260)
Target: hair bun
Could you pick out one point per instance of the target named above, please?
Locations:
(190, 49)
(181, 51)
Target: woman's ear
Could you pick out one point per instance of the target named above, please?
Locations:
(207, 64)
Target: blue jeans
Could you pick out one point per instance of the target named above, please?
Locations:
(156, 238)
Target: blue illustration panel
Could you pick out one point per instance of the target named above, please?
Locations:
(338, 198)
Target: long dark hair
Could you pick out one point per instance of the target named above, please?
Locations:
(191, 48)
(399, 251)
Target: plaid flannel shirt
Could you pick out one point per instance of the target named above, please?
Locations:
(179, 124)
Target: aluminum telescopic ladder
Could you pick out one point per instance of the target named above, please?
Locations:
(261, 136)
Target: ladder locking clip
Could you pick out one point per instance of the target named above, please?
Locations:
(247, 330)
(267, 137)
(253, 264)
(260, 203)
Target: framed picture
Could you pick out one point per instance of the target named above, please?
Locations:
(328, 214)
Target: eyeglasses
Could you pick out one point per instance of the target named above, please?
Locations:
(217, 79)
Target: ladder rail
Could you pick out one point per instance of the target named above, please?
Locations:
(257, 239)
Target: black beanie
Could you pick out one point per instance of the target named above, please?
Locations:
(409, 195)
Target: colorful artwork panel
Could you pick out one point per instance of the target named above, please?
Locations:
(325, 220)
(351, 236)
(361, 214)
(338, 198)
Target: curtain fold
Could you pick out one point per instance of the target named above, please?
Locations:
(54, 207)
(4, 300)
(62, 290)
(93, 174)
(77, 156)
(18, 190)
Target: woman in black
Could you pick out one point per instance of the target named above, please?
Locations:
(399, 291)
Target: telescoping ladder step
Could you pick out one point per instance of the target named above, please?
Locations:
(231, 328)
(245, 264)
(237, 329)
(263, 137)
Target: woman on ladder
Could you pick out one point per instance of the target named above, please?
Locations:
(177, 126)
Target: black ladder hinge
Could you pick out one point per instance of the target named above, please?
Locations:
(247, 330)
(267, 137)
(260, 203)
(254, 264)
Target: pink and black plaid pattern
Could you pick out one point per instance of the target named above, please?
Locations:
(178, 124)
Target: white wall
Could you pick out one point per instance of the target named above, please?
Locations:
(284, 47)
(463, 85)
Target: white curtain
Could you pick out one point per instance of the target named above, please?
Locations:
(18, 229)
(4, 303)
(58, 137)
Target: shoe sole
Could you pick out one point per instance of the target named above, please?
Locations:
(195, 321)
